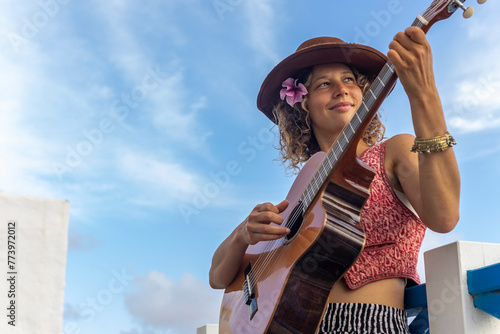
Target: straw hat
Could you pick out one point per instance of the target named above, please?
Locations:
(316, 51)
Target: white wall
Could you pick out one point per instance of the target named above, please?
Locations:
(451, 307)
(35, 232)
(208, 329)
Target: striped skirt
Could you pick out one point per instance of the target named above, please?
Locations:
(354, 318)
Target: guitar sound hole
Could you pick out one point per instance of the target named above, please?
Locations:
(294, 223)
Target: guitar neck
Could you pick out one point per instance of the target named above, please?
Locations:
(352, 132)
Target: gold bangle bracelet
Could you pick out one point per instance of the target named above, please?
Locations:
(434, 144)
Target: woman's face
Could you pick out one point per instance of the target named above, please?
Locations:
(333, 97)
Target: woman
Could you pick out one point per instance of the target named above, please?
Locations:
(416, 184)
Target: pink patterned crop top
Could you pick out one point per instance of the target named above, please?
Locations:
(393, 232)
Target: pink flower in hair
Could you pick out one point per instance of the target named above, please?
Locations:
(293, 92)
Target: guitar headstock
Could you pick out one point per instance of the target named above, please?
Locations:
(443, 9)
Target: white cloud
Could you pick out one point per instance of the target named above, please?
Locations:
(125, 50)
(476, 106)
(466, 125)
(474, 75)
(50, 95)
(262, 28)
(180, 305)
(175, 111)
(170, 178)
(23, 153)
(162, 182)
(171, 106)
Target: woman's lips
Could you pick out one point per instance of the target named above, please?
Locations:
(342, 106)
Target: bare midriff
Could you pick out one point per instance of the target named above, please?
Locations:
(388, 292)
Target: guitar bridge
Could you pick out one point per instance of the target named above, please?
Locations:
(249, 290)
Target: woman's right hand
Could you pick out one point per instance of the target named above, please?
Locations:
(257, 226)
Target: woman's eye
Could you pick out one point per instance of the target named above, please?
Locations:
(322, 84)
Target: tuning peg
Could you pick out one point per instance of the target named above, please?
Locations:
(481, 1)
(468, 11)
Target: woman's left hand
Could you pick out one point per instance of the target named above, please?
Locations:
(411, 55)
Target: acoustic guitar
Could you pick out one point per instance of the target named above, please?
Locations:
(283, 285)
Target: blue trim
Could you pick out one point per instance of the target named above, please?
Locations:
(415, 299)
(484, 286)
(484, 279)
(489, 302)
(420, 325)
(416, 305)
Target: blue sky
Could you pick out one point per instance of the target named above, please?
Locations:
(142, 115)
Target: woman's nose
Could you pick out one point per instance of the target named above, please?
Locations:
(340, 90)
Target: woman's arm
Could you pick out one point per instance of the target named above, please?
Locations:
(430, 181)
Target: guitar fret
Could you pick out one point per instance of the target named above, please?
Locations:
(363, 111)
(345, 136)
(356, 119)
(352, 128)
(390, 66)
(370, 101)
(378, 88)
(307, 198)
(365, 106)
(381, 82)
(357, 116)
(374, 96)
(334, 153)
(322, 173)
(327, 160)
(315, 182)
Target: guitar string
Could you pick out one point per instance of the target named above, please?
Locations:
(262, 262)
(269, 251)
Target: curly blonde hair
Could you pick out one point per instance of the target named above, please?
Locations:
(297, 141)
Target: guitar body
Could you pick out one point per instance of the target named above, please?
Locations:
(293, 276)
